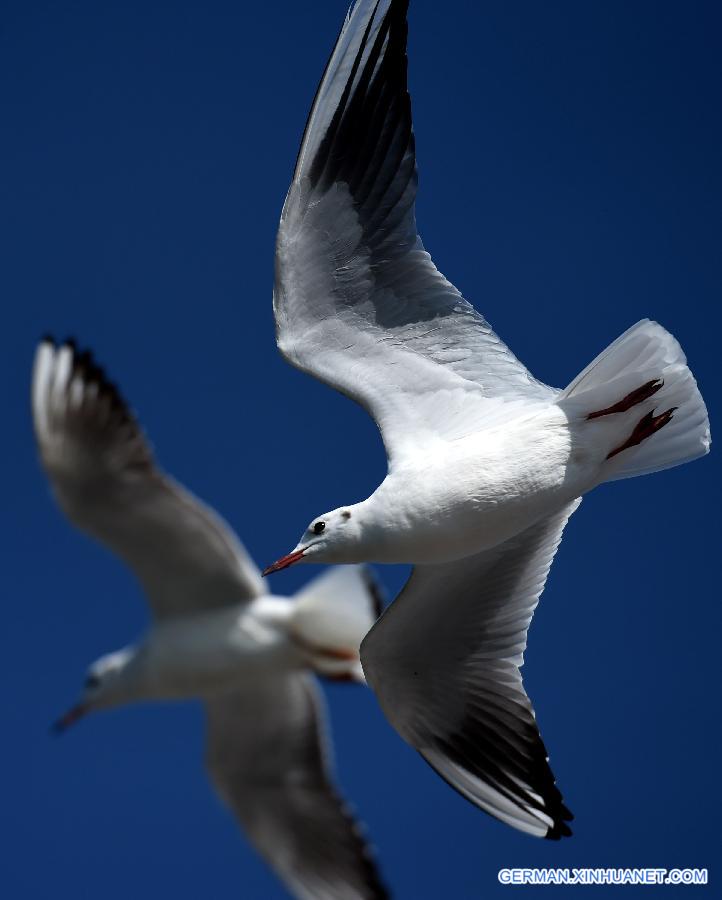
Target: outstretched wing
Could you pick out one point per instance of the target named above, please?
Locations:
(269, 760)
(105, 479)
(444, 661)
(359, 303)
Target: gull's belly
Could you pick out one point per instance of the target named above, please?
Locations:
(218, 651)
(484, 490)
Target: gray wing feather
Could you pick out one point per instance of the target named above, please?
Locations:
(105, 479)
(359, 303)
(444, 661)
(271, 763)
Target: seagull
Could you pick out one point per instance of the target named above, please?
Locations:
(485, 463)
(217, 634)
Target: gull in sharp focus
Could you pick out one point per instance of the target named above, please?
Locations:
(217, 634)
(485, 462)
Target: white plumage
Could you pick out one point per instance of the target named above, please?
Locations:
(217, 634)
(486, 463)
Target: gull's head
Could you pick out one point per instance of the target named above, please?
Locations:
(105, 685)
(334, 537)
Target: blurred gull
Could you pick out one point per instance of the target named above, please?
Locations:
(217, 634)
(485, 462)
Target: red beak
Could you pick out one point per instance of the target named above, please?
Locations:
(70, 718)
(284, 562)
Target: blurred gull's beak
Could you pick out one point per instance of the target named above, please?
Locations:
(70, 718)
(284, 562)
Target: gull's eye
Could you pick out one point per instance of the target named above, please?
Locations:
(319, 527)
(92, 681)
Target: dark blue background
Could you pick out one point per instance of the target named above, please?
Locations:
(570, 185)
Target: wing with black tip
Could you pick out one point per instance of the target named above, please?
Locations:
(444, 661)
(271, 763)
(104, 477)
(358, 301)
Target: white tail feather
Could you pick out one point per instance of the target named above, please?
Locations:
(332, 615)
(644, 353)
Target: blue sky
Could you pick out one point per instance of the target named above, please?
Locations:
(570, 185)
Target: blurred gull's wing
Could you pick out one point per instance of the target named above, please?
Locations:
(444, 661)
(269, 760)
(359, 303)
(105, 479)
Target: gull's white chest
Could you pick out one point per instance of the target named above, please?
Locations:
(462, 497)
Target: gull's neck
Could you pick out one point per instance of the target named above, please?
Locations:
(129, 683)
(379, 524)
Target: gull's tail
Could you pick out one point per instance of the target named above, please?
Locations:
(331, 617)
(644, 403)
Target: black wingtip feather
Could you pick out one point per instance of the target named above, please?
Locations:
(378, 595)
(559, 830)
(504, 763)
(370, 137)
(85, 366)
